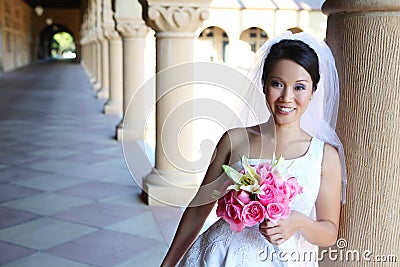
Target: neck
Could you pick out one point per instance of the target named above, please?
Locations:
(288, 133)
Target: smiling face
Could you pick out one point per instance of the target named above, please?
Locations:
(288, 90)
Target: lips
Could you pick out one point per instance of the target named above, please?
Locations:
(285, 110)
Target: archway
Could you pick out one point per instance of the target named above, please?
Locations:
(63, 46)
(48, 43)
(214, 42)
(255, 37)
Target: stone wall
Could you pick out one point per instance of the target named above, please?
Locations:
(15, 34)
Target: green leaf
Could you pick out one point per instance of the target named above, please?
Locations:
(232, 173)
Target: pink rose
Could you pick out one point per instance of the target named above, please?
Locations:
(282, 192)
(269, 195)
(253, 213)
(230, 209)
(294, 188)
(263, 165)
(243, 197)
(277, 211)
(264, 170)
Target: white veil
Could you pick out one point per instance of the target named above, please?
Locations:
(319, 120)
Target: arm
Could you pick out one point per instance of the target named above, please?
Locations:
(195, 215)
(322, 231)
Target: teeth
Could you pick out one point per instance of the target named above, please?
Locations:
(284, 109)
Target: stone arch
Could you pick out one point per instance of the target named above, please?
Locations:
(46, 37)
(213, 42)
(255, 37)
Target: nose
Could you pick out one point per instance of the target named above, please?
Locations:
(287, 94)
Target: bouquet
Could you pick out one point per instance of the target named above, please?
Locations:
(258, 192)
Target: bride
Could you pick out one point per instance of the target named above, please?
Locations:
(298, 77)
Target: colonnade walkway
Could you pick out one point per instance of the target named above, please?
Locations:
(66, 195)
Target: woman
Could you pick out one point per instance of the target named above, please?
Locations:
(292, 69)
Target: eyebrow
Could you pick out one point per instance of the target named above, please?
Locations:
(301, 80)
(304, 80)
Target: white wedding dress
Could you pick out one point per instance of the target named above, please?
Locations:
(220, 246)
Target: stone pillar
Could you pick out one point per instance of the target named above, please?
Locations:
(175, 24)
(103, 93)
(114, 103)
(90, 57)
(365, 37)
(83, 44)
(133, 31)
(98, 38)
(98, 67)
(93, 56)
(107, 26)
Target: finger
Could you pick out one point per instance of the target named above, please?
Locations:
(276, 239)
(271, 224)
(263, 225)
(267, 225)
(271, 230)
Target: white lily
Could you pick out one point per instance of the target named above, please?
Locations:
(249, 182)
(278, 167)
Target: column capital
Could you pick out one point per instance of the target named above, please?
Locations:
(108, 27)
(112, 34)
(339, 6)
(177, 16)
(83, 40)
(131, 27)
(91, 37)
(99, 34)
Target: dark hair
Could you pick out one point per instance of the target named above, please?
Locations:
(297, 51)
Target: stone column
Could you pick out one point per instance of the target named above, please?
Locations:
(88, 56)
(133, 31)
(103, 93)
(91, 44)
(175, 24)
(93, 56)
(365, 37)
(114, 103)
(107, 26)
(84, 58)
(98, 67)
(90, 59)
(98, 38)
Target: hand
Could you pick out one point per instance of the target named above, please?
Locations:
(278, 233)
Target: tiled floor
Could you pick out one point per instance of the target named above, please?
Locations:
(66, 195)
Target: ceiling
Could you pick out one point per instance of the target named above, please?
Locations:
(56, 3)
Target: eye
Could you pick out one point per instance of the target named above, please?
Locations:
(276, 84)
(300, 87)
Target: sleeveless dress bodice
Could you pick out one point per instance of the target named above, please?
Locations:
(220, 246)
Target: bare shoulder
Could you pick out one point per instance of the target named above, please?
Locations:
(236, 135)
(331, 162)
(229, 140)
(235, 142)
